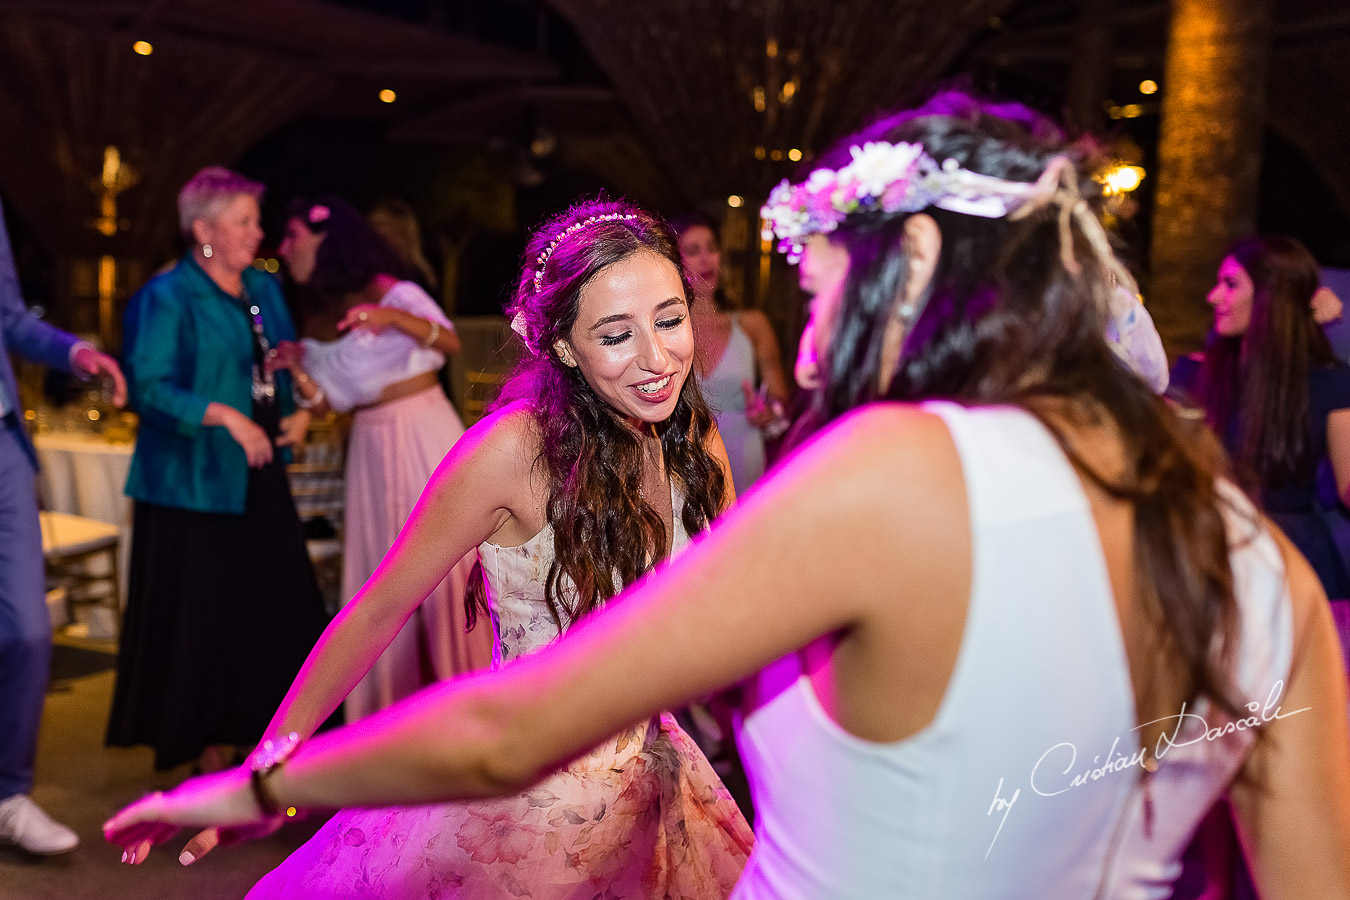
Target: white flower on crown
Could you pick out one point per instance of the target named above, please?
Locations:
(877, 166)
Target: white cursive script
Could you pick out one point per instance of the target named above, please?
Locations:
(1062, 759)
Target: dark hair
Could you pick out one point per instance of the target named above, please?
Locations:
(693, 219)
(1268, 365)
(1006, 320)
(352, 252)
(605, 534)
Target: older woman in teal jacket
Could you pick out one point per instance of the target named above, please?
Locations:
(222, 606)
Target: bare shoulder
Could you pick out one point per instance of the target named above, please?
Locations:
(893, 465)
(502, 445)
(884, 435)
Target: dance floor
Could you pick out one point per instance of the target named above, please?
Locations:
(81, 783)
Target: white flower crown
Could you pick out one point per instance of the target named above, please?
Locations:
(888, 178)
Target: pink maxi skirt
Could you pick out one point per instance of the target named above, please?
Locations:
(392, 451)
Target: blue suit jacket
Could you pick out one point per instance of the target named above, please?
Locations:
(24, 334)
(187, 343)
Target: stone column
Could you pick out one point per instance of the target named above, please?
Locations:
(1209, 155)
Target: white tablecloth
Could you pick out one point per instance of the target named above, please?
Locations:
(84, 475)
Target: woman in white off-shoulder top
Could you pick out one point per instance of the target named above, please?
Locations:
(377, 345)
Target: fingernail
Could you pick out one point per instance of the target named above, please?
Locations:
(186, 858)
(124, 856)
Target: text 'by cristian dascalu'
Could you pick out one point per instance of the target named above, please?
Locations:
(1057, 771)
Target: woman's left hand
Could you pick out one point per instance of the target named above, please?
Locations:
(224, 799)
(293, 429)
(370, 316)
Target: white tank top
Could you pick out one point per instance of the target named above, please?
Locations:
(1040, 697)
(356, 367)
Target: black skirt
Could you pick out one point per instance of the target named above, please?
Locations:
(221, 612)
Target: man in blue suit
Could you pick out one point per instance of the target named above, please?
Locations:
(25, 628)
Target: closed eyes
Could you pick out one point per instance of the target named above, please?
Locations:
(610, 340)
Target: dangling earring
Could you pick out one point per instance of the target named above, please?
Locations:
(206, 250)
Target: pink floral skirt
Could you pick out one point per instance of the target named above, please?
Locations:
(641, 816)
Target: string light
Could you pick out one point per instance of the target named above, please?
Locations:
(735, 201)
(144, 48)
(1148, 86)
(387, 96)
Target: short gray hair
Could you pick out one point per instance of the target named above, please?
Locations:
(207, 193)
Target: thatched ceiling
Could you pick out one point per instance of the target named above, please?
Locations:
(710, 81)
(222, 75)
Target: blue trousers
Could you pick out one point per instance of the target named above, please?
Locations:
(25, 627)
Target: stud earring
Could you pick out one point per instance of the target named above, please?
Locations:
(206, 250)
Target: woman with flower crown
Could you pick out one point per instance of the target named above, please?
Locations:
(602, 460)
(1051, 633)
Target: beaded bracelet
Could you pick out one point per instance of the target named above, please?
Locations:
(264, 762)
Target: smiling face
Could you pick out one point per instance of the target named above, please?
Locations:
(299, 248)
(632, 340)
(234, 233)
(702, 258)
(1231, 298)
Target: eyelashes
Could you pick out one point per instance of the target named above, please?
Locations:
(611, 340)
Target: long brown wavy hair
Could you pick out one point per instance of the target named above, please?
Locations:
(605, 534)
(1006, 320)
(1267, 366)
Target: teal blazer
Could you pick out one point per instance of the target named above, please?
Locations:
(187, 343)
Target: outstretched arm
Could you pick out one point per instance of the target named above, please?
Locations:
(738, 599)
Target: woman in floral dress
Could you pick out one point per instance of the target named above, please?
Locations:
(600, 461)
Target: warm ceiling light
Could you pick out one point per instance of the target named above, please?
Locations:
(795, 155)
(144, 48)
(735, 201)
(387, 96)
(1148, 86)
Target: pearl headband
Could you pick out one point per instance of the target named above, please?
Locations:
(542, 259)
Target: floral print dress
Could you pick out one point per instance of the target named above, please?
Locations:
(643, 815)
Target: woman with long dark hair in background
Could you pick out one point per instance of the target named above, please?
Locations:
(1272, 388)
(374, 345)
